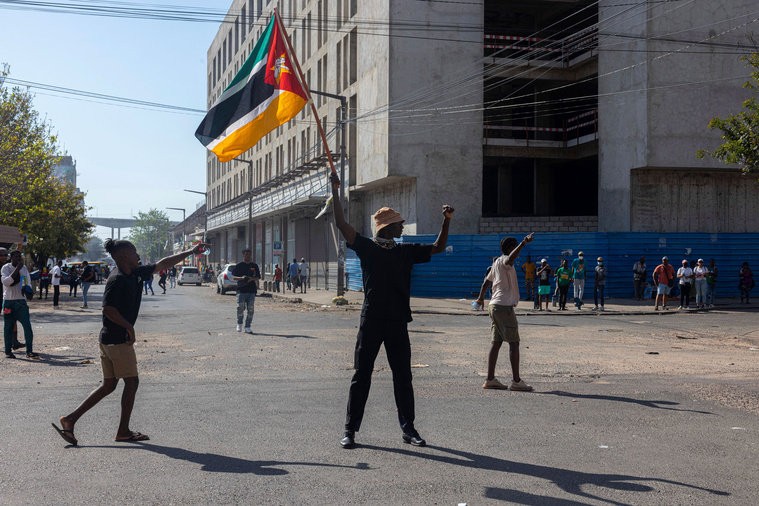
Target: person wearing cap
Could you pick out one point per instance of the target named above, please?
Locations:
(386, 272)
(503, 322)
(600, 284)
(15, 278)
(578, 275)
(664, 274)
(545, 273)
(640, 274)
(303, 274)
(699, 281)
(685, 275)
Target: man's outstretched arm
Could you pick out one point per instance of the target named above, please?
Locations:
(168, 262)
(442, 238)
(345, 228)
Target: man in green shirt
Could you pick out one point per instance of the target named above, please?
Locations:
(563, 279)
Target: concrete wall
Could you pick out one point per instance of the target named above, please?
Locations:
(656, 99)
(527, 224)
(696, 200)
(443, 151)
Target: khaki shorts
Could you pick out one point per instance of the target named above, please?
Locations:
(503, 324)
(118, 360)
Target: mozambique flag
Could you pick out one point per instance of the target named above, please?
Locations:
(265, 94)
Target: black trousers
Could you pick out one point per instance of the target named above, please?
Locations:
(563, 291)
(371, 334)
(56, 294)
(684, 295)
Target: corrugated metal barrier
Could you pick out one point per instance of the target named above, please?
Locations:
(460, 270)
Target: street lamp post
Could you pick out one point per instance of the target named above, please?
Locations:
(205, 214)
(183, 222)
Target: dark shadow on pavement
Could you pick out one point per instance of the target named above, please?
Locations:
(616, 398)
(569, 481)
(288, 336)
(519, 497)
(64, 360)
(215, 463)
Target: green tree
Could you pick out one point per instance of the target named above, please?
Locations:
(93, 250)
(740, 131)
(49, 211)
(150, 234)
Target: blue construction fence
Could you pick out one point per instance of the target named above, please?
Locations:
(460, 270)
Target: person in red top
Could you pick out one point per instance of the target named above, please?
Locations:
(277, 277)
(663, 275)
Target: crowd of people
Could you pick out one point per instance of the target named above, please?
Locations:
(695, 279)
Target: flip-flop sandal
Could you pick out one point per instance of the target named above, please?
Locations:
(65, 435)
(136, 436)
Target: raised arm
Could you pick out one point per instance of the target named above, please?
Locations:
(168, 262)
(343, 226)
(442, 238)
(515, 252)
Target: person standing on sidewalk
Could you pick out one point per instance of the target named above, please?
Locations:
(88, 276)
(503, 322)
(545, 273)
(277, 277)
(745, 281)
(578, 275)
(4, 260)
(16, 280)
(529, 269)
(386, 272)
(664, 276)
(303, 274)
(73, 280)
(246, 273)
(600, 284)
(699, 280)
(563, 279)
(55, 275)
(292, 274)
(173, 277)
(44, 280)
(685, 274)
(639, 278)
(711, 282)
(121, 306)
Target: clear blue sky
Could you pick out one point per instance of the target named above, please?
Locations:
(128, 159)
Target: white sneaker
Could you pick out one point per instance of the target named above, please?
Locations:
(495, 384)
(679, 307)
(248, 331)
(239, 328)
(521, 386)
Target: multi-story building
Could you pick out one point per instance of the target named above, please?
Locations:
(563, 116)
(65, 170)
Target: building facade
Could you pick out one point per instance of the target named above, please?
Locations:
(556, 116)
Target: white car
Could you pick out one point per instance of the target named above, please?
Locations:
(224, 281)
(189, 275)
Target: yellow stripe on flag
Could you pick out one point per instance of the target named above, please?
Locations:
(281, 110)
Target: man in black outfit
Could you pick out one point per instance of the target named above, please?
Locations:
(386, 271)
(246, 273)
(121, 304)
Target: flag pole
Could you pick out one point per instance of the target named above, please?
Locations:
(303, 82)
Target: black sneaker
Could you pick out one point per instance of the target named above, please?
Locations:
(33, 356)
(414, 438)
(348, 440)
(18, 346)
(10, 355)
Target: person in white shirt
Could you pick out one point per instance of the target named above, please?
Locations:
(303, 273)
(55, 276)
(685, 274)
(16, 279)
(503, 322)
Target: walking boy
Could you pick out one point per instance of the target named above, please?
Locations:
(246, 273)
(121, 304)
(386, 271)
(503, 322)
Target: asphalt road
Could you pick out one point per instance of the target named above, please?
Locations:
(625, 411)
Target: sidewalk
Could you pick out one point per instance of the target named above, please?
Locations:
(435, 305)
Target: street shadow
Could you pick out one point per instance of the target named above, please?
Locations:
(630, 400)
(425, 331)
(63, 360)
(215, 463)
(288, 336)
(569, 481)
(67, 316)
(519, 497)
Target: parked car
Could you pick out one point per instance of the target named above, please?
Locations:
(189, 275)
(224, 281)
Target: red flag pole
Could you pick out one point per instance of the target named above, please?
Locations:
(303, 83)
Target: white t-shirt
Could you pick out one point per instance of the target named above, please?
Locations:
(14, 292)
(687, 273)
(56, 272)
(505, 285)
(303, 269)
(700, 273)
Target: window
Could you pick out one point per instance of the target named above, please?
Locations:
(224, 54)
(229, 53)
(346, 56)
(237, 34)
(308, 35)
(244, 24)
(259, 8)
(325, 17)
(354, 7)
(324, 76)
(319, 82)
(338, 55)
(354, 55)
(319, 29)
